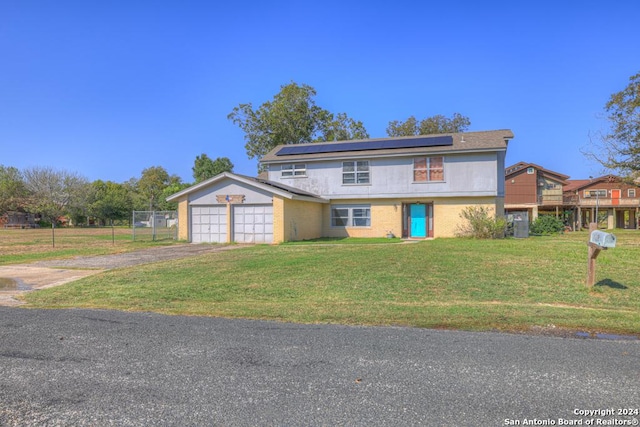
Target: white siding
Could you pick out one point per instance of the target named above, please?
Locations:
(466, 175)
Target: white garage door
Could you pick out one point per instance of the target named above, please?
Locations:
(253, 223)
(208, 224)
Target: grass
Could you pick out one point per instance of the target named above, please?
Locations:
(29, 245)
(347, 241)
(508, 285)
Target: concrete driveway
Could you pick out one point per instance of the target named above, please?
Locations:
(17, 279)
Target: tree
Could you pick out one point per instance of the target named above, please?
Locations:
(53, 193)
(152, 182)
(168, 191)
(205, 168)
(109, 201)
(429, 126)
(292, 117)
(342, 128)
(620, 146)
(13, 192)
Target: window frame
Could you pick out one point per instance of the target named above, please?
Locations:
(351, 219)
(356, 172)
(631, 191)
(428, 170)
(293, 170)
(591, 194)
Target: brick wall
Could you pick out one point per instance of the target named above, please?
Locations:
(302, 220)
(296, 220)
(183, 220)
(278, 219)
(386, 215)
(447, 212)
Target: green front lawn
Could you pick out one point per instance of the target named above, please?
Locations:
(511, 285)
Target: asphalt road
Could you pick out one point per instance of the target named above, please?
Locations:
(85, 367)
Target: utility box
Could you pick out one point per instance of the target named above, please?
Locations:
(520, 223)
(602, 239)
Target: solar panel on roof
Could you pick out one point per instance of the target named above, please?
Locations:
(381, 144)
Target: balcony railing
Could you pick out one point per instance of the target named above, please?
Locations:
(592, 202)
(550, 199)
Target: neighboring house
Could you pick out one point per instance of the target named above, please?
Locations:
(414, 187)
(18, 220)
(533, 189)
(611, 197)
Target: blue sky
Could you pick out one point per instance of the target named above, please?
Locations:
(107, 89)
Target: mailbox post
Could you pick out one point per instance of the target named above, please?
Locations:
(598, 241)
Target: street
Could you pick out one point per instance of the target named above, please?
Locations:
(91, 367)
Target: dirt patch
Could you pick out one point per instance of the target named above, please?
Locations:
(20, 278)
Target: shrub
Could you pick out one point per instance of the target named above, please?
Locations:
(547, 224)
(480, 223)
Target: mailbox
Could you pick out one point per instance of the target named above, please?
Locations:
(600, 238)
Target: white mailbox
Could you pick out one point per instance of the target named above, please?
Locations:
(600, 238)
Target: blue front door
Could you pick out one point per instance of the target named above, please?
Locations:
(418, 220)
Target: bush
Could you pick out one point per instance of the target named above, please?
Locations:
(481, 223)
(547, 224)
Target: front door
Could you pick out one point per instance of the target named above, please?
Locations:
(615, 197)
(418, 215)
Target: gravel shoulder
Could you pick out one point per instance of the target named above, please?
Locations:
(20, 278)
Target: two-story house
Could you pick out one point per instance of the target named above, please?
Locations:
(606, 199)
(414, 187)
(533, 189)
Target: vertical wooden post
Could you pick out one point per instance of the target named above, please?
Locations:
(594, 251)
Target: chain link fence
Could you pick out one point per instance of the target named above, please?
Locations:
(155, 225)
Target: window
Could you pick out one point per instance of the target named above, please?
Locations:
(293, 170)
(355, 172)
(631, 192)
(530, 171)
(427, 169)
(595, 193)
(351, 216)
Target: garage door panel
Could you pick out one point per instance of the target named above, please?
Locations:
(209, 224)
(253, 224)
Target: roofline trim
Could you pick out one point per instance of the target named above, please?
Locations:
(381, 156)
(244, 180)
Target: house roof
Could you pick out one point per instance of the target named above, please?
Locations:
(576, 184)
(495, 140)
(579, 184)
(518, 167)
(263, 184)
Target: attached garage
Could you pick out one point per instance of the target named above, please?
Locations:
(235, 208)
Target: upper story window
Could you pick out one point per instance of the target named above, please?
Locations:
(428, 169)
(530, 171)
(356, 172)
(595, 193)
(293, 170)
(631, 192)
